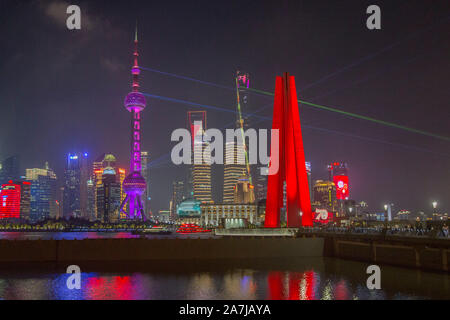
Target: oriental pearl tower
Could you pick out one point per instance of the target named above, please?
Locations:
(134, 184)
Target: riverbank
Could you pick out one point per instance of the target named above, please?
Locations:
(145, 249)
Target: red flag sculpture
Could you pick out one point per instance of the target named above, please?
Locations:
(292, 169)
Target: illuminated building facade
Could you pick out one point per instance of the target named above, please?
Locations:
(236, 159)
(261, 183)
(178, 193)
(325, 195)
(91, 200)
(308, 173)
(25, 200)
(134, 184)
(104, 162)
(43, 191)
(108, 196)
(231, 215)
(200, 167)
(244, 192)
(145, 172)
(403, 215)
(76, 175)
(84, 177)
(10, 201)
(338, 173)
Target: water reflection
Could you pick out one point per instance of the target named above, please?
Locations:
(316, 281)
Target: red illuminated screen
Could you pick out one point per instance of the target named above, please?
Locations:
(341, 183)
(10, 201)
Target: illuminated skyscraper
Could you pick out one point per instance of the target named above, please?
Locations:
(91, 200)
(10, 201)
(43, 203)
(201, 167)
(105, 161)
(72, 187)
(25, 200)
(134, 184)
(108, 196)
(261, 183)
(84, 177)
(308, 173)
(236, 159)
(338, 173)
(145, 172)
(325, 195)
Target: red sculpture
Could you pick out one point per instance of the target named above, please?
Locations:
(292, 169)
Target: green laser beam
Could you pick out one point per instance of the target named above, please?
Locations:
(358, 116)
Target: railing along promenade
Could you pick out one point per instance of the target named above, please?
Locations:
(378, 233)
(406, 247)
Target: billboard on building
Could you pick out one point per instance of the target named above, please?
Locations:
(341, 183)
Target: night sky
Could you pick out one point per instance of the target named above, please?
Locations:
(62, 90)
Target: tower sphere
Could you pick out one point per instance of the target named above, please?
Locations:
(135, 101)
(134, 183)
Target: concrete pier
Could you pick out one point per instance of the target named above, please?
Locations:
(143, 249)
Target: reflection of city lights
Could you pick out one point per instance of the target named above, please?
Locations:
(327, 292)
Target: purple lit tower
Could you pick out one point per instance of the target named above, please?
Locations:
(134, 184)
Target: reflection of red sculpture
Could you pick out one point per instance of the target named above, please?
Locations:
(300, 286)
(275, 279)
(292, 169)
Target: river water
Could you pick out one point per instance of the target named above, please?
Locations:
(297, 279)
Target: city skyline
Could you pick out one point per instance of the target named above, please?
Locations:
(397, 170)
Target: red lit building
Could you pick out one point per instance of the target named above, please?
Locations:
(338, 173)
(10, 201)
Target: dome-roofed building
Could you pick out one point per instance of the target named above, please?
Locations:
(189, 211)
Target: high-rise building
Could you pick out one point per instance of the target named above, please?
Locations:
(108, 196)
(201, 163)
(91, 200)
(72, 187)
(10, 170)
(25, 200)
(178, 192)
(84, 177)
(134, 184)
(338, 173)
(145, 172)
(261, 183)
(236, 158)
(325, 195)
(10, 201)
(308, 173)
(96, 182)
(244, 191)
(43, 193)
